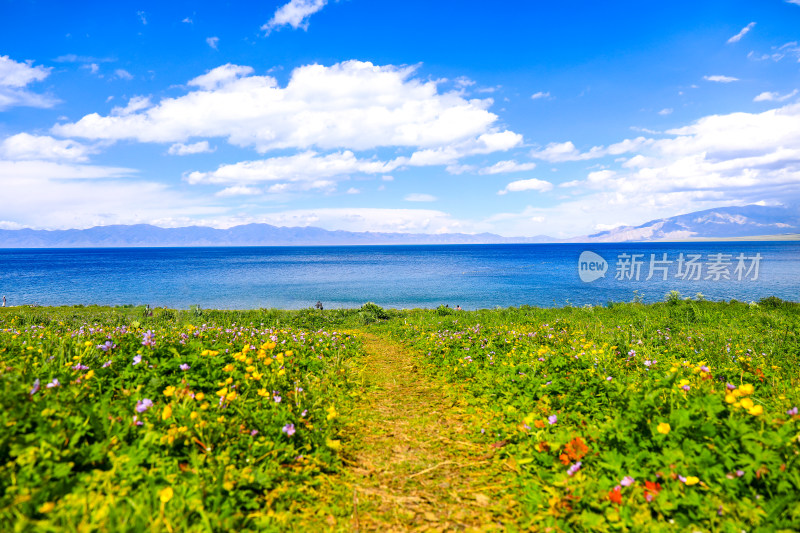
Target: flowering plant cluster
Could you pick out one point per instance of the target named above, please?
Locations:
(629, 417)
(173, 422)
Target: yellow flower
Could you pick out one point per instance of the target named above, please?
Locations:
(730, 398)
(199, 396)
(263, 392)
(228, 368)
(333, 444)
(250, 368)
(663, 428)
(692, 480)
(165, 494)
(47, 507)
(193, 415)
(747, 403)
(257, 376)
(223, 391)
(166, 413)
(169, 391)
(289, 353)
(746, 389)
(231, 396)
(268, 346)
(268, 361)
(227, 486)
(756, 410)
(281, 372)
(332, 413)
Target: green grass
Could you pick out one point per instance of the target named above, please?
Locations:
(672, 416)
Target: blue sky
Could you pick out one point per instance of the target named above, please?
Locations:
(517, 118)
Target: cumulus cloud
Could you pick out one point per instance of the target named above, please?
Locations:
(774, 96)
(239, 190)
(295, 14)
(539, 95)
(306, 171)
(419, 197)
(502, 167)
(720, 79)
(14, 79)
(666, 111)
(353, 105)
(201, 147)
(567, 151)
(527, 185)
(213, 42)
(738, 37)
(123, 74)
(24, 146)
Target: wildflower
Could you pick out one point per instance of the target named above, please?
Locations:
(254, 433)
(730, 398)
(663, 428)
(552, 419)
(333, 444)
(169, 391)
(609, 378)
(148, 339)
(136, 421)
(730, 386)
(686, 387)
(276, 397)
(304, 413)
(35, 388)
(739, 473)
(615, 496)
(651, 490)
(107, 346)
(47, 507)
(571, 471)
(143, 405)
(199, 396)
(288, 429)
(691, 480)
(746, 389)
(792, 411)
(627, 481)
(332, 413)
(184, 367)
(756, 410)
(107, 364)
(165, 494)
(136, 359)
(747, 403)
(80, 366)
(576, 448)
(54, 383)
(166, 413)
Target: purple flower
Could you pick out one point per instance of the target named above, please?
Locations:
(107, 346)
(730, 386)
(686, 387)
(136, 421)
(185, 367)
(609, 378)
(304, 413)
(54, 383)
(143, 405)
(574, 468)
(632, 353)
(650, 363)
(107, 364)
(136, 360)
(254, 432)
(627, 481)
(792, 411)
(552, 419)
(35, 388)
(148, 339)
(739, 473)
(80, 367)
(288, 429)
(276, 396)
(704, 368)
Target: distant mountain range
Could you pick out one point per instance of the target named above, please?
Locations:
(722, 223)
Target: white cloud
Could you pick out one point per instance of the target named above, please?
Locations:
(300, 172)
(353, 105)
(24, 146)
(353, 190)
(239, 190)
(774, 96)
(294, 14)
(795, 2)
(720, 79)
(137, 103)
(142, 16)
(213, 42)
(419, 197)
(666, 111)
(540, 94)
(37, 171)
(14, 79)
(738, 37)
(527, 185)
(387, 178)
(201, 147)
(187, 20)
(123, 74)
(502, 167)
(567, 151)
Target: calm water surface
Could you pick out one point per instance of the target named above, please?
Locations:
(473, 276)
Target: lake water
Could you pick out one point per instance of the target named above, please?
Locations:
(473, 276)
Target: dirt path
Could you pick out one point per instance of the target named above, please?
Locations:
(412, 464)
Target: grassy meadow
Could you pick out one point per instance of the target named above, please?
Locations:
(676, 416)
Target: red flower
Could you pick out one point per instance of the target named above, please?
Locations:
(615, 495)
(651, 490)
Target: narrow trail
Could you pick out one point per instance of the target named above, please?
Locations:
(412, 465)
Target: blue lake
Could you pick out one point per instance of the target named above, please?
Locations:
(473, 276)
